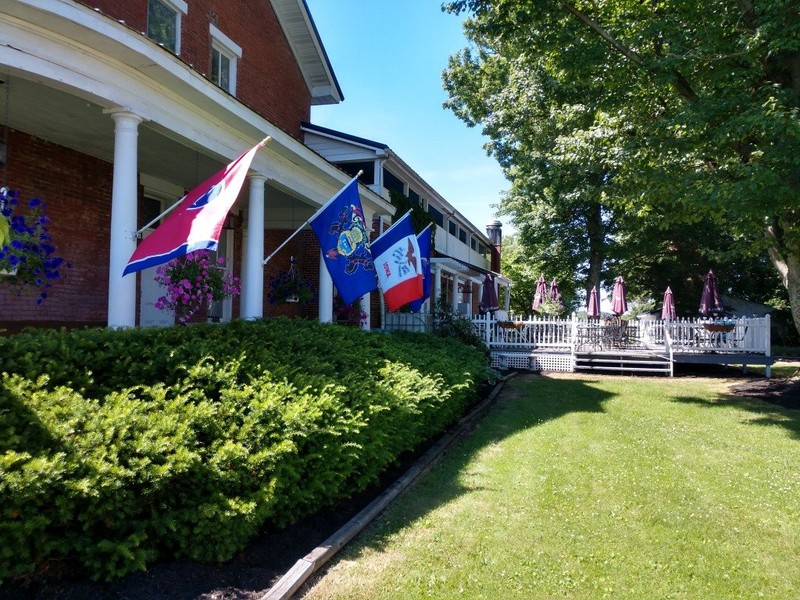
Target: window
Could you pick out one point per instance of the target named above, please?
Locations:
(462, 235)
(437, 216)
(414, 197)
(164, 22)
(473, 244)
(452, 228)
(225, 54)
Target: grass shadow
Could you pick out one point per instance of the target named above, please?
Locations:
(509, 415)
(764, 413)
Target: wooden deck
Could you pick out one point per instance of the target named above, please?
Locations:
(652, 346)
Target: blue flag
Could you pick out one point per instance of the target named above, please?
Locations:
(343, 238)
(424, 242)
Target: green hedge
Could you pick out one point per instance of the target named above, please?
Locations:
(121, 447)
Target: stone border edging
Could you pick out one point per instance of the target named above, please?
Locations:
(295, 577)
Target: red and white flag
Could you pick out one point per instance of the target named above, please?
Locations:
(196, 224)
(398, 264)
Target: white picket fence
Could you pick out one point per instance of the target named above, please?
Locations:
(556, 341)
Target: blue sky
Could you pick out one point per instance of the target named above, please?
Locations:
(388, 56)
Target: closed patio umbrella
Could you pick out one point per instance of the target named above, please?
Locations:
(668, 310)
(488, 296)
(540, 295)
(555, 295)
(710, 301)
(593, 309)
(618, 302)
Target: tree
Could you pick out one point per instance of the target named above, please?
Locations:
(691, 109)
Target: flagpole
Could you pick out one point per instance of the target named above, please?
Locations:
(311, 218)
(261, 144)
(395, 223)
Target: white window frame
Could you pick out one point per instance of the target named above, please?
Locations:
(181, 8)
(228, 48)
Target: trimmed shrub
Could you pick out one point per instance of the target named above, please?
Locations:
(118, 448)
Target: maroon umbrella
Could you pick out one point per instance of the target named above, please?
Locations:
(668, 310)
(593, 310)
(710, 301)
(618, 303)
(488, 296)
(540, 295)
(555, 295)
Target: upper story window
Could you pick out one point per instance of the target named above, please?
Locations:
(462, 235)
(225, 55)
(437, 216)
(164, 22)
(473, 244)
(452, 228)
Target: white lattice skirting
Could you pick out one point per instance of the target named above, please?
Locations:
(535, 361)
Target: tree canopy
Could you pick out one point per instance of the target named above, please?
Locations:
(668, 120)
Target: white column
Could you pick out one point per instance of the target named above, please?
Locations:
(437, 284)
(455, 293)
(325, 292)
(124, 196)
(253, 272)
(366, 303)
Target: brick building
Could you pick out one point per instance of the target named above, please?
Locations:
(112, 110)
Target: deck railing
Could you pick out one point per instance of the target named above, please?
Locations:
(744, 335)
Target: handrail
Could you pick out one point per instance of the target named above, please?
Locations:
(668, 344)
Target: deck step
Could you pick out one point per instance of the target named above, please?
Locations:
(623, 363)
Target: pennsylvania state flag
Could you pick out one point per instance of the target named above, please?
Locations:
(344, 240)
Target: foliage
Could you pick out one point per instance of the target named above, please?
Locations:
(118, 448)
(26, 246)
(681, 115)
(448, 323)
(290, 286)
(192, 282)
(420, 218)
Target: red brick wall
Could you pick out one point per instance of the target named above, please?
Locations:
(269, 80)
(305, 249)
(77, 190)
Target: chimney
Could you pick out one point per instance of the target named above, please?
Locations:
(494, 231)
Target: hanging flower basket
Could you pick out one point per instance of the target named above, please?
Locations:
(193, 281)
(28, 258)
(290, 286)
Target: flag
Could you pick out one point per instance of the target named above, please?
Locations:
(398, 264)
(344, 241)
(424, 242)
(197, 222)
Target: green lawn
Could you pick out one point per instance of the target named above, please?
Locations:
(604, 487)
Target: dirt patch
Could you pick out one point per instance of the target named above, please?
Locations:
(782, 392)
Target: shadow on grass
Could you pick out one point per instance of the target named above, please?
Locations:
(763, 413)
(527, 401)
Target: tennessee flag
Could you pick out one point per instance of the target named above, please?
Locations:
(197, 222)
(424, 242)
(398, 264)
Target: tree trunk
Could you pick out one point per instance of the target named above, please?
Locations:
(595, 231)
(787, 262)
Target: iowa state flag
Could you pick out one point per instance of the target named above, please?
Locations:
(341, 230)
(197, 222)
(398, 264)
(424, 242)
